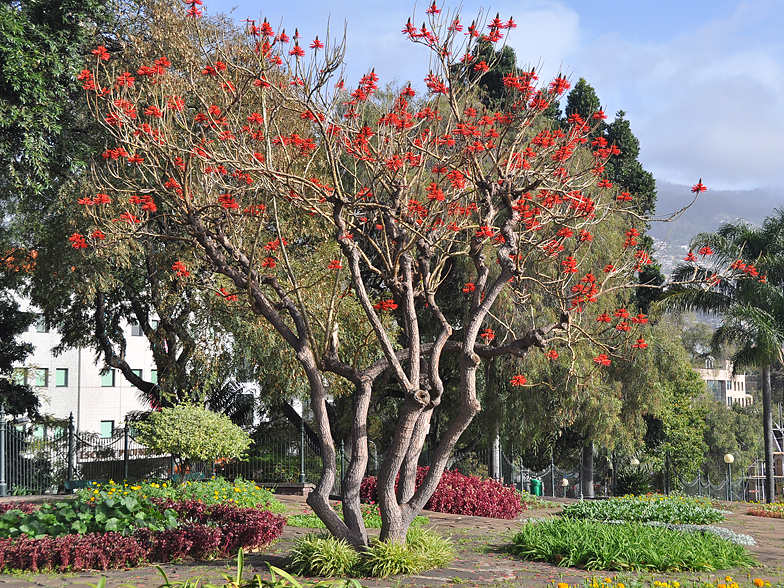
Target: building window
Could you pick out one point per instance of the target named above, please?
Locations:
(154, 324)
(107, 380)
(20, 376)
(61, 377)
(154, 377)
(138, 373)
(106, 429)
(136, 330)
(42, 377)
(41, 325)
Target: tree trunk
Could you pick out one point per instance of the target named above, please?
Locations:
(586, 470)
(495, 455)
(767, 428)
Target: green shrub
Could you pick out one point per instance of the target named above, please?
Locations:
(655, 507)
(192, 432)
(627, 546)
(422, 550)
(323, 555)
(633, 481)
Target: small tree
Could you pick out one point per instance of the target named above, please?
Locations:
(321, 207)
(190, 432)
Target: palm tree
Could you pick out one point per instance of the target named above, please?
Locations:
(751, 306)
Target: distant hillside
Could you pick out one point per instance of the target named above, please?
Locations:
(712, 208)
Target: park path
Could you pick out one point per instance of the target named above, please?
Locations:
(481, 559)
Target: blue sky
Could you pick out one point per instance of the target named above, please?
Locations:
(702, 81)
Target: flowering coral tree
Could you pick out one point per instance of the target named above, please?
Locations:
(315, 205)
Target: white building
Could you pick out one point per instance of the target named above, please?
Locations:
(72, 383)
(725, 386)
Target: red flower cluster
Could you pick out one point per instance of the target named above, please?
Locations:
(518, 380)
(488, 335)
(180, 270)
(385, 305)
(77, 241)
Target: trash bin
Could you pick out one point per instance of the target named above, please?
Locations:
(536, 487)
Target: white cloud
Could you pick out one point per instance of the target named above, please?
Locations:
(704, 104)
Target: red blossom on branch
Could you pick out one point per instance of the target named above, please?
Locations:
(488, 335)
(602, 359)
(698, 187)
(385, 305)
(77, 241)
(180, 270)
(518, 380)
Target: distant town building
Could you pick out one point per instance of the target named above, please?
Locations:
(726, 387)
(72, 382)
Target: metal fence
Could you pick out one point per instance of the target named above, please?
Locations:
(43, 464)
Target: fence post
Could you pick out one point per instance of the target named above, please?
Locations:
(71, 457)
(552, 476)
(3, 485)
(125, 455)
(302, 450)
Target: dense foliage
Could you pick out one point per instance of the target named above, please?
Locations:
(198, 531)
(213, 491)
(466, 495)
(191, 432)
(774, 510)
(628, 546)
(653, 507)
(324, 555)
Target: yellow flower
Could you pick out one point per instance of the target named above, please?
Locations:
(563, 585)
(621, 585)
(759, 582)
(676, 584)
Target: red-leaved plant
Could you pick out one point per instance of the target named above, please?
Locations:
(207, 531)
(465, 495)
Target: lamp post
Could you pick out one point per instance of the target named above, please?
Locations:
(728, 459)
(564, 485)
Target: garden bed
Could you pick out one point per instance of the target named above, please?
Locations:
(119, 526)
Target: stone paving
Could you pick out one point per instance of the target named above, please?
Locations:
(481, 560)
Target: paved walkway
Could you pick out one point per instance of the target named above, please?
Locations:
(481, 560)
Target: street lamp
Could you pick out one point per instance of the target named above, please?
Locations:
(565, 485)
(728, 459)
